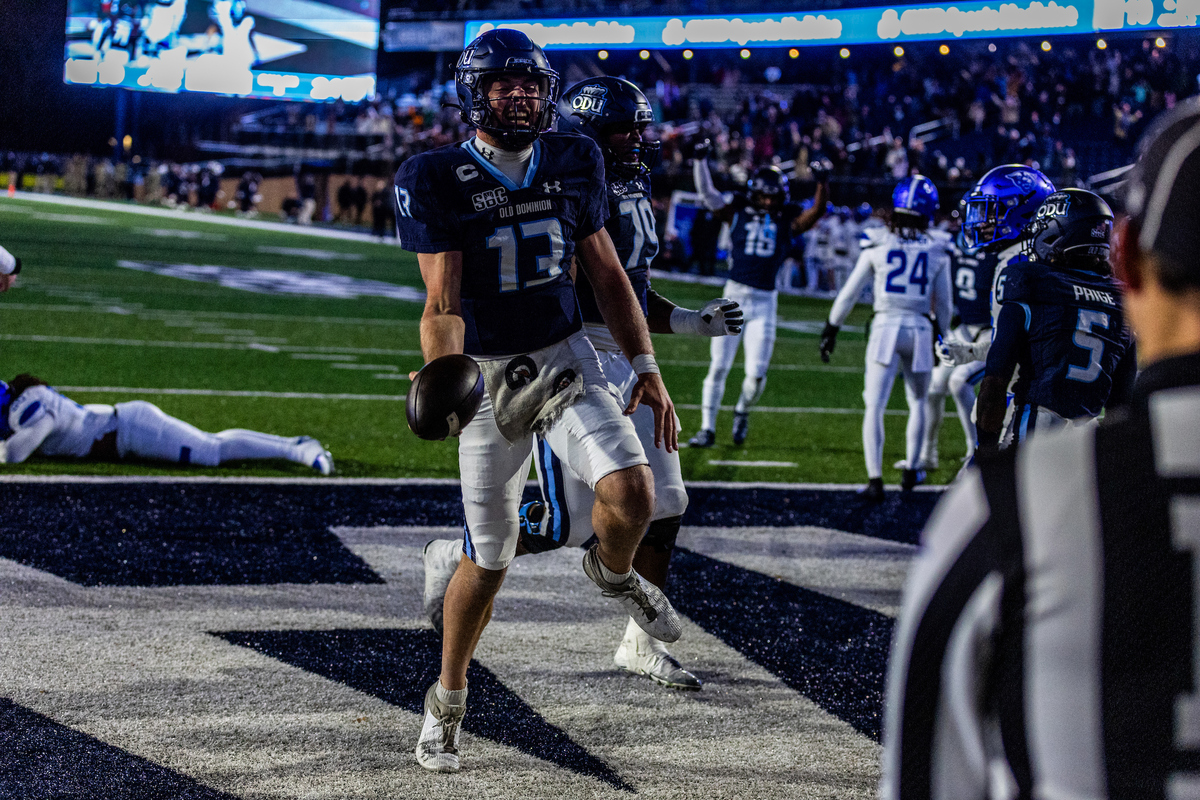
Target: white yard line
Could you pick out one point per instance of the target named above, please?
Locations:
(86, 340)
(720, 463)
(394, 398)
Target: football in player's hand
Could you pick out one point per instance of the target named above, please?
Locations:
(444, 397)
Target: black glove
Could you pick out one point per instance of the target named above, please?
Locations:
(828, 340)
(701, 150)
(17, 268)
(820, 170)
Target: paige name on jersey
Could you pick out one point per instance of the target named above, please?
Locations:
(1094, 295)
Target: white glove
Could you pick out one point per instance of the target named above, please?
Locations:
(720, 317)
(953, 352)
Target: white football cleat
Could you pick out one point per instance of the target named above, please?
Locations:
(641, 600)
(441, 557)
(311, 453)
(437, 747)
(642, 654)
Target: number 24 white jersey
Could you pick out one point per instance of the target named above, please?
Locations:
(911, 276)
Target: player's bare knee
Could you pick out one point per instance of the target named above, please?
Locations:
(628, 496)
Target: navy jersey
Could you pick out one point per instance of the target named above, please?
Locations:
(1066, 334)
(517, 242)
(972, 275)
(632, 228)
(761, 242)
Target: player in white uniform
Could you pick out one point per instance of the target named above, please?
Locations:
(37, 419)
(910, 267)
(10, 267)
(762, 224)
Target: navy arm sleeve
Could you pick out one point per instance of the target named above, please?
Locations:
(1011, 333)
(1123, 379)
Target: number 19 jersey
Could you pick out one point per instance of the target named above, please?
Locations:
(517, 241)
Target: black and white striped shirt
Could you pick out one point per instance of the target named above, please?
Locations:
(1046, 642)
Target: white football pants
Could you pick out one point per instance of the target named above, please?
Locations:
(909, 341)
(146, 431)
(569, 499)
(760, 308)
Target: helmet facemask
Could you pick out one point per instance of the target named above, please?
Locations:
(514, 107)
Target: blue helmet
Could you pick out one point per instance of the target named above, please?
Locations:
(1002, 203)
(5, 401)
(598, 106)
(768, 183)
(914, 202)
(497, 52)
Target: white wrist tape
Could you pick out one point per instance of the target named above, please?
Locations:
(684, 321)
(644, 364)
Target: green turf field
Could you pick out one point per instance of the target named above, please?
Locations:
(80, 320)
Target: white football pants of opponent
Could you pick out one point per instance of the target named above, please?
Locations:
(760, 307)
(959, 381)
(897, 343)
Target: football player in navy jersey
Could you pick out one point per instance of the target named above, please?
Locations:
(762, 223)
(496, 222)
(1060, 326)
(971, 273)
(615, 114)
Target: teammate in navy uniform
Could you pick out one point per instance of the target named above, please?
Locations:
(1047, 642)
(971, 273)
(762, 224)
(1060, 325)
(496, 222)
(615, 114)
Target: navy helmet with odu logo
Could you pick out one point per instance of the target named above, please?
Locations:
(768, 183)
(496, 52)
(1070, 230)
(600, 106)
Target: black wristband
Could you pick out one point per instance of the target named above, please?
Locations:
(988, 438)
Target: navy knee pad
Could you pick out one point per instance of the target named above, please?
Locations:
(662, 533)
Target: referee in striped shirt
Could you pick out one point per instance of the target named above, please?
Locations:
(1050, 632)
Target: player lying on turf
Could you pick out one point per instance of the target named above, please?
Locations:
(10, 266)
(36, 419)
(615, 114)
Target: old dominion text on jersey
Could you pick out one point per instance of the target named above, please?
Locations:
(517, 241)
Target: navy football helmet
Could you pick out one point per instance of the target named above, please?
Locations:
(768, 183)
(601, 106)
(1002, 203)
(497, 52)
(1070, 230)
(914, 202)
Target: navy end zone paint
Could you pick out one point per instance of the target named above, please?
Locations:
(220, 534)
(43, 759)
(398, 666)
(899, 519)
(832, 652)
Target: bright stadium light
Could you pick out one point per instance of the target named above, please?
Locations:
(645, 54)
(793, 53)
(1045, 47)
(744, 54)
(944, 50)
(991, 48)
(603, 54)
(844, 52)
(1101, 44)
(899, 51)
(687, 54)
(1160, 42)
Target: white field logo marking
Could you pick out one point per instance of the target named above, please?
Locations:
(278, 281)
